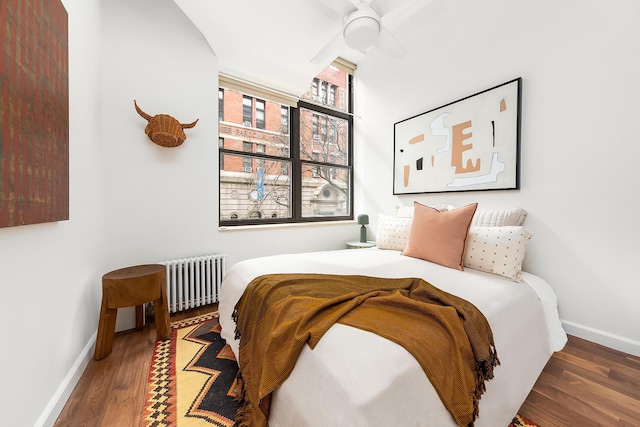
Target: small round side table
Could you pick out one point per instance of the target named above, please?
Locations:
(132, 286)
(360, 245)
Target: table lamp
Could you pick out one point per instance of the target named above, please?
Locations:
(363, 220)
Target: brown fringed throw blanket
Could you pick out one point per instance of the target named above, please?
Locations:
(279, 313)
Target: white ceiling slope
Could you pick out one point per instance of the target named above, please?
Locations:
(267, 42)
(273, 42)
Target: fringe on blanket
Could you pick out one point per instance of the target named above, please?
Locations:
(484, 372)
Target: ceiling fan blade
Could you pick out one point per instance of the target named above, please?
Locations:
(389, 44)
(330, 51)
(332, 8)
(429, 8)
(383, 7)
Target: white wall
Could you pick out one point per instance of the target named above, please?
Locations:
(579, 65)
(159, 202)
(48, 272)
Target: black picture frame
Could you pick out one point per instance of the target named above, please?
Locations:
(472, 144)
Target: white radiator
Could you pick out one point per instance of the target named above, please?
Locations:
(194, 281)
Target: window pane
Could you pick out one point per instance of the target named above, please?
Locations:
(325, 191)
(265, 192)
(220, 105)
(247, 111)
(284, 119)
(234, 129)
(323, 138)
(260, 114)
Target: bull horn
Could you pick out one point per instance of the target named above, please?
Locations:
(142, 113)
(189, 125)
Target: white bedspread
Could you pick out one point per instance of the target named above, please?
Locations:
(356, 378)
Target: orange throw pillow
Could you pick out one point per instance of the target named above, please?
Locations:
(439, 237)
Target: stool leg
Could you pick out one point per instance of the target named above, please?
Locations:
(139, 314)
(161, 312)
(106, 330)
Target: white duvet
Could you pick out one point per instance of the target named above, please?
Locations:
(356, 378)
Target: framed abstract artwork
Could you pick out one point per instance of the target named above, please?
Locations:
(34, 112)
(467, 145)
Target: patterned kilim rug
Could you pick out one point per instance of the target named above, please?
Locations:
(192, 379)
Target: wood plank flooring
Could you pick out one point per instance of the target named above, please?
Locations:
(583, 385)
(586, 385)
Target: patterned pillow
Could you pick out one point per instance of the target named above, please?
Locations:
(497, 250)
(392, 232)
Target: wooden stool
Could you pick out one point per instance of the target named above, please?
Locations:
(128, 287)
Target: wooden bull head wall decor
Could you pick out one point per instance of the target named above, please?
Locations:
(163, 129)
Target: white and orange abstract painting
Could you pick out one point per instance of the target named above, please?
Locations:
(469, 144)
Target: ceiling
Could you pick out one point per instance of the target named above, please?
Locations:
(273, 42)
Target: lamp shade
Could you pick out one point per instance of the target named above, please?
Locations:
(363, 219)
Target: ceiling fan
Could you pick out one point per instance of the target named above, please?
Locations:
(363, 26)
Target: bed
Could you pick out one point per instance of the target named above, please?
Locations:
(356, 378)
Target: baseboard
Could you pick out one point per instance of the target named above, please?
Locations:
(603, 338)
(59, 399)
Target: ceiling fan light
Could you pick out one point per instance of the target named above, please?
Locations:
(362, 32)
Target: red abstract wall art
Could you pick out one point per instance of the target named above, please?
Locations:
(34, 112)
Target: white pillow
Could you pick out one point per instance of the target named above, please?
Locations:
(392, 232)
(499, 217)
(497, 250)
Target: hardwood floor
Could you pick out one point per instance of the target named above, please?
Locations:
(583, 385)
(111, 391)
(586, 385)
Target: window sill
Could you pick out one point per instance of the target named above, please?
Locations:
(285, 225)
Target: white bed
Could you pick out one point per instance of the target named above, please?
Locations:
(356, 378)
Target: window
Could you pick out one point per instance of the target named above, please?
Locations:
(285, 166)
(260, 163)
(323, 128)
(220, 105)
(259, 114)
(323, 92)
(295, 166)
(247, 162)
(332, 95)
(314, 127)
(221, 145)
(247, 111)
(284, 119)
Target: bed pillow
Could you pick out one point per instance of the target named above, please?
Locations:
(392, 232)
(407, 211)
(439, 237)
(499, 217)
(497, 250)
